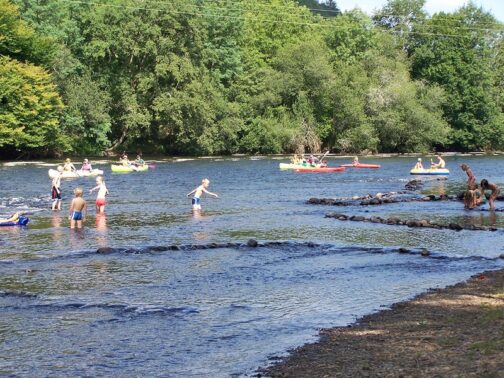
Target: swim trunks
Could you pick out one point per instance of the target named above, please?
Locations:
(76, 215)
(55, 194)
(100, 202)
(195, 201)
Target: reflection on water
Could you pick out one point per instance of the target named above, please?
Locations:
(217, 312)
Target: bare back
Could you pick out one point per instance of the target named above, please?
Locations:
(78, 204)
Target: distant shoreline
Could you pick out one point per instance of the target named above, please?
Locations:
(455, 331)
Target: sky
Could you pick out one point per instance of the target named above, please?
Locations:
(496, 7)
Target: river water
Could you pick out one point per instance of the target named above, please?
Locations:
(66, 310)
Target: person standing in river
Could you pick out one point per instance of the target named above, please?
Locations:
(485, 185)
(471, 178)
(56, 190)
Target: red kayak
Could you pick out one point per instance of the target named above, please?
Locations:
(319, 169)
(360, 165)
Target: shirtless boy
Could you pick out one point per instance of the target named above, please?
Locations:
(102, 192)
(485, 185)
(198, 192)
(78, 209)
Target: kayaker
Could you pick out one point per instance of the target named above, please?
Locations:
(355, 160)
(56, 190)
(124, 160)
(485, 185)
(78, 209)
(198, 192)
(68, 166)
(86, 166)
(102, 192)
(440, 164)
(419, 164)
(139, 160)
(471, 178)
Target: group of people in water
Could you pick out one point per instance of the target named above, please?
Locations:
(475, 195)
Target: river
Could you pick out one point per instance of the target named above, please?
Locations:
(146, 309)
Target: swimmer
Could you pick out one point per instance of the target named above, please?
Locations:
(102, 192)
(485, 185)
(78, 209)
(56, 190)
(471, 178)
(198, 192)
(13, 218)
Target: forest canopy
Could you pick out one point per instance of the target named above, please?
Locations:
(193, 77)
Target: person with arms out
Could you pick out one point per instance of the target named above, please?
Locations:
(68, 166)
(485, 185)
(198, 192)
(78, 209)
(56, 190)
(102, 192)
(471, 178)
(440, 164)
(86, 166)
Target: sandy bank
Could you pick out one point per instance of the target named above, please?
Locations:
(456, 331)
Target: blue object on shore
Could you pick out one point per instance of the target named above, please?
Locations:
(21, 221)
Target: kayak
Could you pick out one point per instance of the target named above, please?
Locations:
(294, 166)
(319, 169)
(130, 168)
(361, 165)
(21, 221)
(430, 172)
(68, 174)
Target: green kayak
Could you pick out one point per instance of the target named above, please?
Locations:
(129, 168)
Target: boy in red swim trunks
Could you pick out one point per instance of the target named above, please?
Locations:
(102, 192)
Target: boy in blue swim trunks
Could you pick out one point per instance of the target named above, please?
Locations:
(198, 192)
(78, 209)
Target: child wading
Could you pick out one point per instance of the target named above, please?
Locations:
(485, 185)
(102, 192)
(78, 209)
(198, 192)
(56, 190)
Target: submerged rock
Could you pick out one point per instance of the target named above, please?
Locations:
(252, 243)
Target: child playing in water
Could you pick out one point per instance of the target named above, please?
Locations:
(13, 218)
(471, 179)
(102, 192)
(472, 198)
(56, 190)
(198, 192)
(78, 209)
(485, 185)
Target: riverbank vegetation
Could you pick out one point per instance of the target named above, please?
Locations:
(269, 76)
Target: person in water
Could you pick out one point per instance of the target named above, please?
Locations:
(355, 161)
(440, 164)
(198, 192)
(102, 192)
(418, 164)
(485, 185)
(473, 198)
(124, 160)
(56, 190)
(13, 218)
(78, 209)
(471, 178)
(68, 166)
(86, 166)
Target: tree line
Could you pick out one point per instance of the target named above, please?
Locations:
(193, 77)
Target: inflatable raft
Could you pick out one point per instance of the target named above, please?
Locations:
(430, 172)
(361, 165)
(21, 221)
(67, 174)
(319, 169)
(130, 168)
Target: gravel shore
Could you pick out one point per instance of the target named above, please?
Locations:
(453, 332)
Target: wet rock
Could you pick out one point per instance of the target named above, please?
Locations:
(424, 223)
(314, 201)
(375, 219)
(375, 201)
(424, 252)
(393, 220)
(426, 198)
(105, 250)
(455, 226)
(501, 256)
(413, 223)
(252, 243)
(357, 218)
(404, 250)
(365, 203)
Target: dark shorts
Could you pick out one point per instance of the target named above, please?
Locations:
(195, 201)
(55, 194)
(76, 215)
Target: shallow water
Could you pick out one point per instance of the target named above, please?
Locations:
(66, 310)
